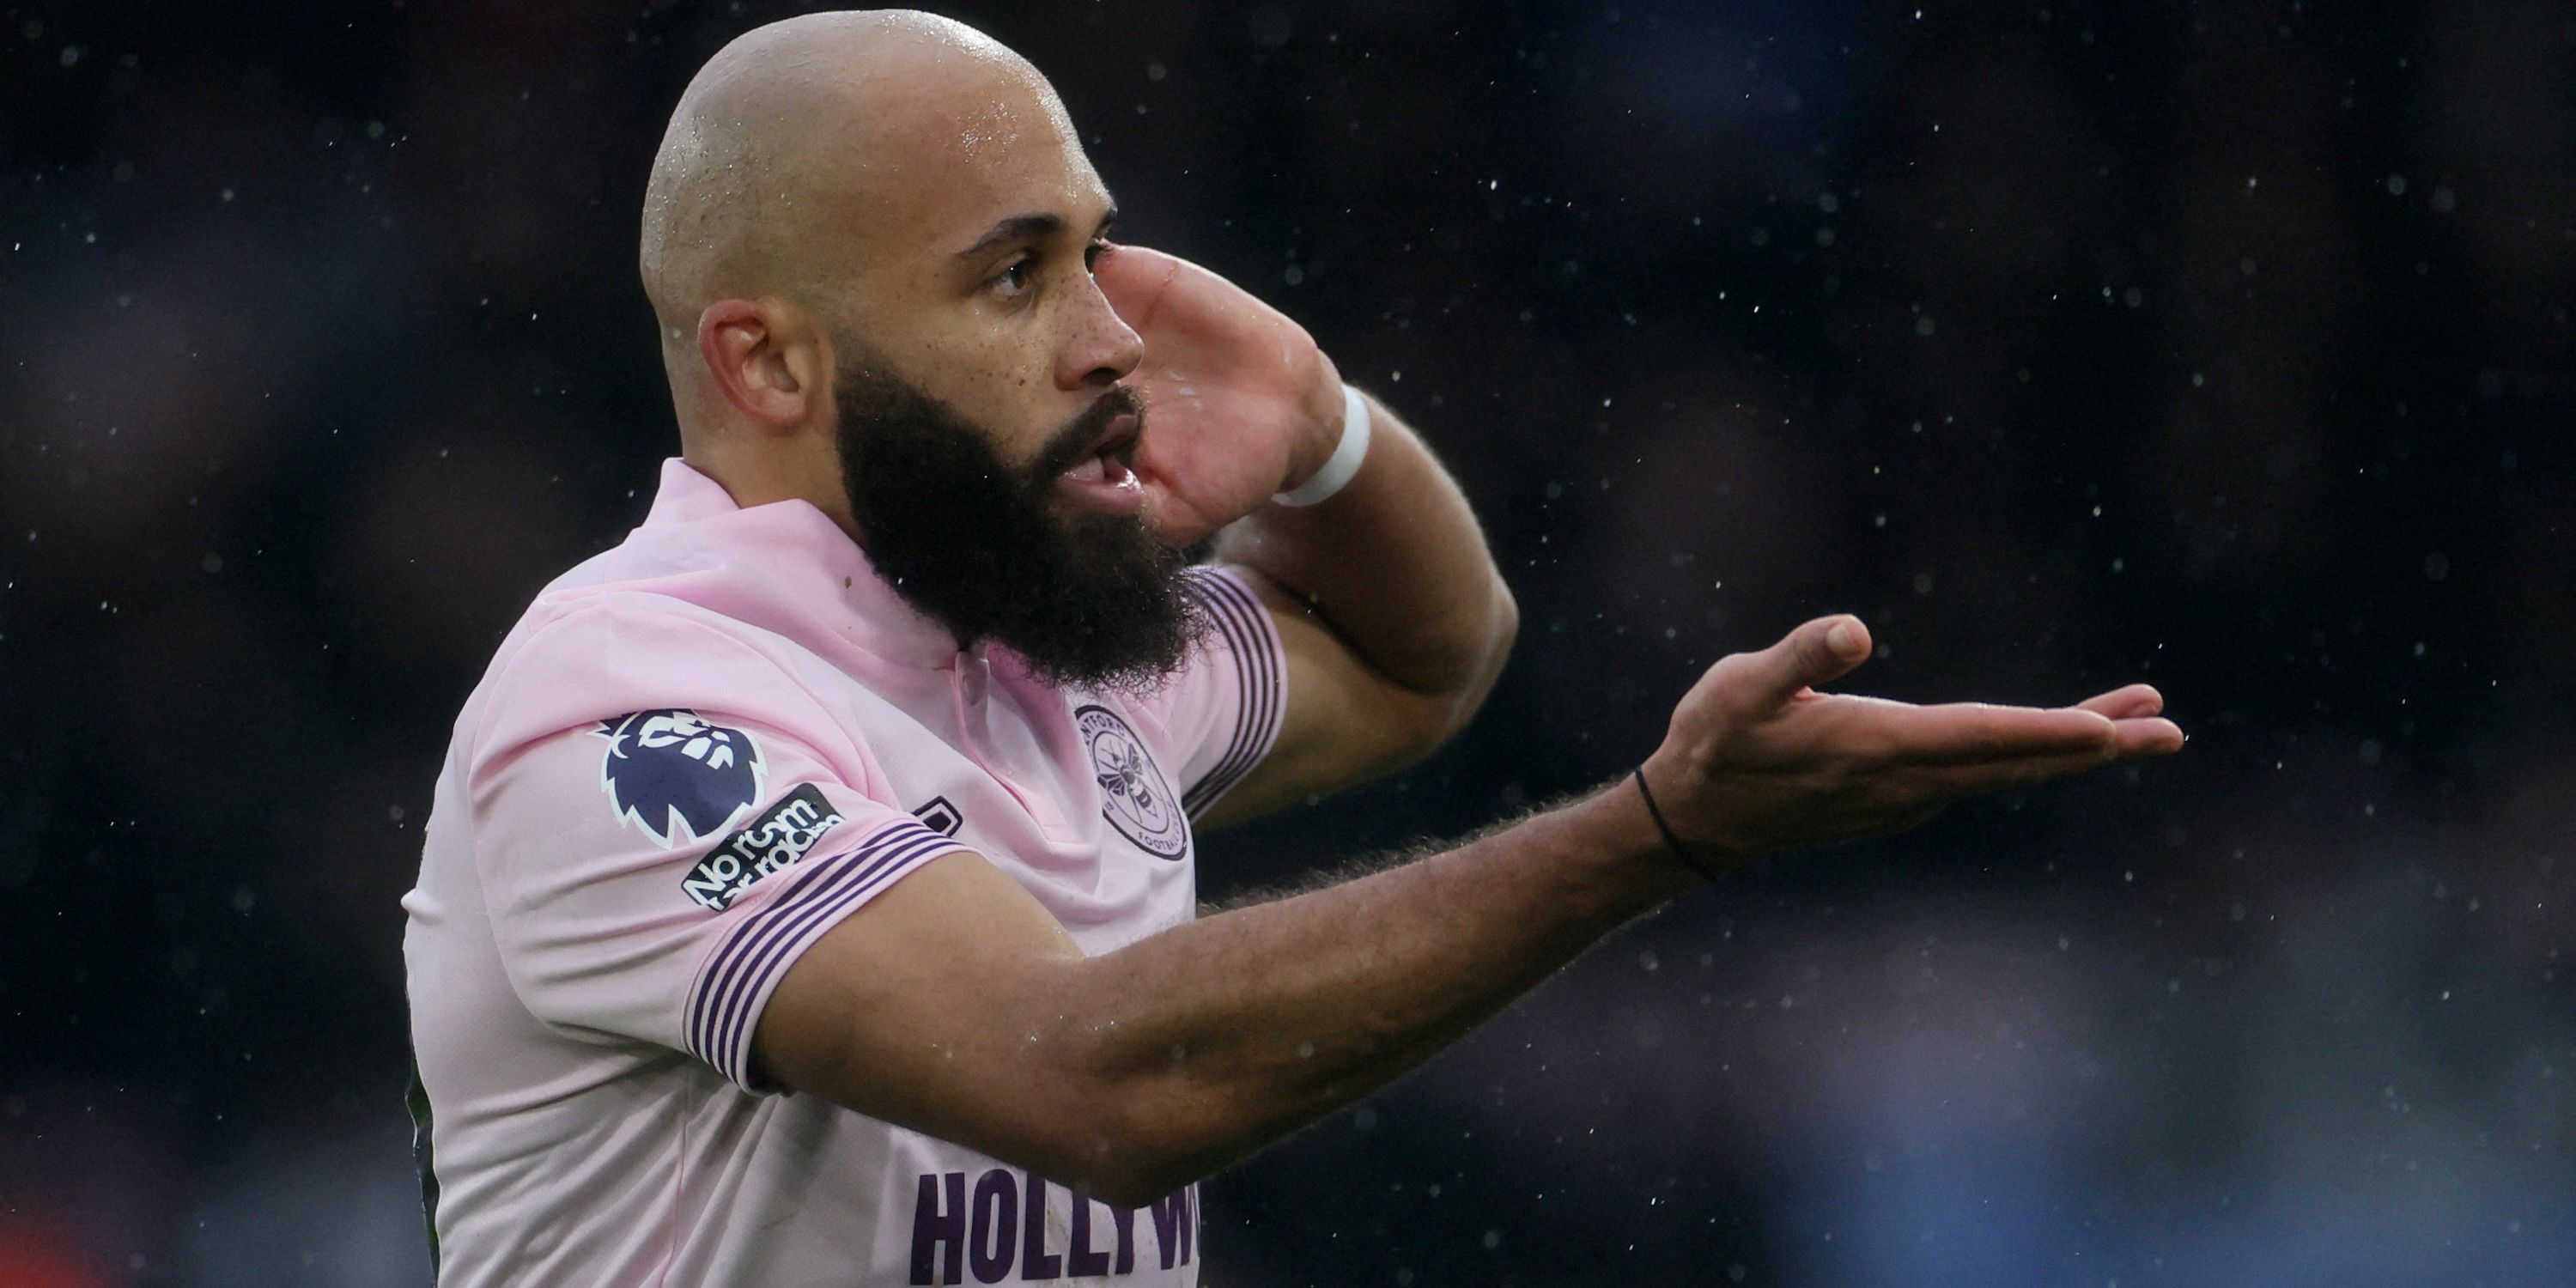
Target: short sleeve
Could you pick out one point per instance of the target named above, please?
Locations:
(1221, 712)
(664, 821)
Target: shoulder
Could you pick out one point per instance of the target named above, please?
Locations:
(598, 655)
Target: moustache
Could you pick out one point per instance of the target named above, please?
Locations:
(1080, 435)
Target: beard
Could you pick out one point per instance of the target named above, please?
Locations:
(1088, 600)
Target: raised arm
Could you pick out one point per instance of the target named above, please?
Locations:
(1393, 617)
(953, 1004)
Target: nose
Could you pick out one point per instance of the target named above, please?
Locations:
(1100, 348)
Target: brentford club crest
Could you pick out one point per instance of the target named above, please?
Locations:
(1133, 796)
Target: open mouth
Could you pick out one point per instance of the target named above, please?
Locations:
(1110, 465)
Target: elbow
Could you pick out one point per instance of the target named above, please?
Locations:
(1452, 709)
(1136, 1121)
(1143, 1145)
(1499, 637)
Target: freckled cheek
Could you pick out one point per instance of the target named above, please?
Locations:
(1009, 388)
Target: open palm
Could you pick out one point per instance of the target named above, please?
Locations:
(1757, 760)
(1239, 402)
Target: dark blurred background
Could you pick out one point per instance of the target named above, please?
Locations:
(2220, 345)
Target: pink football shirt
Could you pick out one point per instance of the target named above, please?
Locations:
(695, 754)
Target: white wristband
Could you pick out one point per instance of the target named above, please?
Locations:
(1345, 460)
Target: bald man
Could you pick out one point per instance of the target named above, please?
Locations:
(809, 896)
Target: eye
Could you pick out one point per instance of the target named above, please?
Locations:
(1091, 254)
(1016, 278)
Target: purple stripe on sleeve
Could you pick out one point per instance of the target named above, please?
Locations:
(1254, 663)
(712, 977)
(774, 948)
(1253, 691)
(1253, 643)
(729, 971)
(736, 971)
(728, 1013)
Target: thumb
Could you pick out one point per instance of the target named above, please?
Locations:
(1819, 652)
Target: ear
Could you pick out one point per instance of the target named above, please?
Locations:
(767, 358)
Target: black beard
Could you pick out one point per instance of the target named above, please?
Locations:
(1093, 601)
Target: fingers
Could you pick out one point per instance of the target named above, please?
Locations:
(2148, 736)
(1819, 652)
(2133, 711)
(2129, 740)
(1970, 733)
(1957, 781)
(2125, 703)
(2115, 726)
(1134, 279)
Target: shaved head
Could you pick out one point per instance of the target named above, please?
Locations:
(868, 239)
(799, 139)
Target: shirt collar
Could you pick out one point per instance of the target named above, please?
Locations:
(793, 570)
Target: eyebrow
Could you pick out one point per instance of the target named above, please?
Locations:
(1030, 227)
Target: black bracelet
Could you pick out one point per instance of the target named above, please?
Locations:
(1680, 851)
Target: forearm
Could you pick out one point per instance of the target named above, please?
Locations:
(1394, 564)
(1215, 1038)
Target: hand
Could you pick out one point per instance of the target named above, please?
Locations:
(1757, 760)
(1239, 403)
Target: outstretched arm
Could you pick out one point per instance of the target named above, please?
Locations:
(955, 1005)
(1393, 617)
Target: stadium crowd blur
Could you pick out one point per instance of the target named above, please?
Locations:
(2224, 346)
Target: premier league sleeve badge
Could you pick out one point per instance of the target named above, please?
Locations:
(677, 776)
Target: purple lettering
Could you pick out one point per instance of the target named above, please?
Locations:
(934, 1225)
(1035, 1261)
(1126, 1238)
(994, 1242)
(1079, 1259)
(1176, 1220)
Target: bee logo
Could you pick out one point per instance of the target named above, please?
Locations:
(1133, 796)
